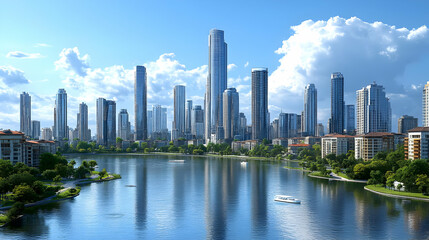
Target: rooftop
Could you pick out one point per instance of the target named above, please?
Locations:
(299, 145)
(10, 132)
(335, 135)
(419, 129)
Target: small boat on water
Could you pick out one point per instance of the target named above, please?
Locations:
(176, 161)
(243, 162)
(286, 199)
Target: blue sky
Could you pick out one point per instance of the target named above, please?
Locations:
(86, 46)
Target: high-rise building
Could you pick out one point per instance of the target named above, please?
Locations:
(406, 123)
(259, 103)
(159, 118)
(216, 83)
(106, 122)
(149, 122)
(320, 130)
(197, 122)
(25, 116)
(349, 117)
(288, 125)
(188, 117)
(140, 103)
(47, 134)
(61, 131)
(243, 126)
(82, 123)
(124, 127)
(373, 110)
(310, 110)
(35, 129)
(337, 103)
(426, 105)
(231, 113)
(179, 112)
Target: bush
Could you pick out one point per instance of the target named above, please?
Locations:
(16, 210)
(24, 193)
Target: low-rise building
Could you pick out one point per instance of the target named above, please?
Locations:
(368, 145)
(236, 146)
(296, 148)
(280, 141)
(416, 145)
(337, 144)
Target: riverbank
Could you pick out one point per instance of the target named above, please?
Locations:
(396, 194)
(334, 177)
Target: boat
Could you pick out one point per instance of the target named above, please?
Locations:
(286, 199)
(176, 161)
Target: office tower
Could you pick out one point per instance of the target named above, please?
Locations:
(216, 83)
(231, 113)
(337, 103)
(373, 110)
(179, 112)
(106, 122)
(149, 122)
(25, 113)
(259, 103)
(47, 134)
(197, 122)
(82, 123)
(243, 126)
(61, 131)
(124, 127)
(140, 103)
(426, 105)
(406, 123)
(320, 130)
(288, 125)
(274, 129)
(310, 110)
(159, 118)
(349, 119)
(35, 129)
(188, 116)
(299, 124)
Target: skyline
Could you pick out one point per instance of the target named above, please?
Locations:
(83, 76)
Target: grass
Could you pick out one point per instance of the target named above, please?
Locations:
(318, 174)
(67, 193)
(341, 174)
(380, 188)
(3, 219)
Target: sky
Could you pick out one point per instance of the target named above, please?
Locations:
(90, 48)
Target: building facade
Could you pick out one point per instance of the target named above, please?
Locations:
(216, 83)
(140, 103)
(124, 126)
(259, 103)
(106, 122)
(336, 122)
(231, 113)
(197, 122)
(82, 123)
(178, 128)
(47, 134)
(35, 129)
(188, 117)
(349, 118)
(416, 144)
(368, 145)
(337, 144)
(406, 123)
(25, 113)
(310, 110)
(426, 105)
(61, 129)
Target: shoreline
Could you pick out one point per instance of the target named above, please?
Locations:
(396, 196)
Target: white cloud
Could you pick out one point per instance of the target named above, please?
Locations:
(364, 52)
(246, 64)
(231, 66)
(71, 61)
(19, 54)
(10, 76)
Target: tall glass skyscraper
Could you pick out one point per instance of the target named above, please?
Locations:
(35, 129)
(197, 122)
(179, 112)
(349, 117)
(188, 117)
(260, 119)
(336, 122)
(288, 125)
(310, 110)
(124, 127)
(426, 105)
(25, 113)
(106, 122)
(216, 83)
(373, 110)
(231, 113)
(159, 118)
(61, 115)
(82, 123)
(140, 103)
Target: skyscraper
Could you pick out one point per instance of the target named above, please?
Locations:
(149, 122)
(406, 123)
(288, 125)
(179, 112)
(373, 110)
(106, 122)
(426, 105)
(337, 103)
(25, 113)
(61, 131)
(231, 113)
(35, 129)
(124, 127)
(216, 83)
(140, 102)
(47, 134)
(197, 122)
(82, 123)
(243, 126)
(310, 110)
(159, 118)
(259, 103)
(349, 117)
(188, 117)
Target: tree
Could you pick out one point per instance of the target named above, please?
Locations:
(361, 171)
(72, 163)
(92, 164)
(5, 168)
(16, 210)
(21, 178)
(57, 179)
(422, 183)
(129, 150)
(49, 160)
(24, 193)
(102, 173)
(5, 187)
(62, 170)
(119, 140)
(49, 174)
(376, 176)
(81, 172)
(197, 152)
(38, 187)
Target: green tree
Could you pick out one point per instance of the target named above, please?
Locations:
(49, 174)
(422, 183)
(5, 187)
(48, 161)
(5, 168)
(24, 193)
(81, 172)
(92, 164)
(102, 173)
(16, 210)
(38, 187)
(361, 171)
(21, 178)
(128, 150)
(57, 179)
(119, 140)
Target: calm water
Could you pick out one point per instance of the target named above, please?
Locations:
(219, 199)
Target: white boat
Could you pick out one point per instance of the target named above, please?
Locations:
(176, 161)
(286, 199)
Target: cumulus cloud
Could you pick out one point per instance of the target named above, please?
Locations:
(231, 66)
(71, 61)
(364, 52)
(10, 76)
(246, 64)
(19, 54)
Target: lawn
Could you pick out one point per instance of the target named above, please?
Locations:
(319, 174)
(67, 193)
(341, 174)
(379, 188)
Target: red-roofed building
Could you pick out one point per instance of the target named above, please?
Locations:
(296, 148)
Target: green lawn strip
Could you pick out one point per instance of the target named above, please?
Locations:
(341, 174)
(3, 219)
(318, 174)
(67, 193)
(379, 188)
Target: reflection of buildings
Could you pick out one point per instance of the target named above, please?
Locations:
(258, 198)
(141, 195)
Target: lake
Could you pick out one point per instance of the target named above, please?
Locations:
(219, 198)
